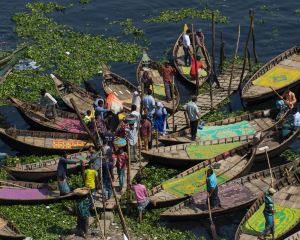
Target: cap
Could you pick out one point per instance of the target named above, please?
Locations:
(272, 190)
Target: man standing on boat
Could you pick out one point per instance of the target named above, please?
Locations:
(212, 188)
(186, 41)
(269, 212)
(50, 103)
(193, 114)
(168, 76)
(62, 173)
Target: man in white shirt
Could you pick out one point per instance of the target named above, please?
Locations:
(296, 116)
(50, 103)
(186, 41)
(136, 99)
(193, 114)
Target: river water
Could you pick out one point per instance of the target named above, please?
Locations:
(276, 26)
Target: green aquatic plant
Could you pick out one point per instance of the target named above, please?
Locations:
(185, 13)
(41, 221)
(59, 49)
(289, 155)
(84, 1)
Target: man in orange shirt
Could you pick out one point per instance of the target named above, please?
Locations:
(199, 66)
(168, 74)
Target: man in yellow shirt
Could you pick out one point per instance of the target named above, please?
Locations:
(91, 180)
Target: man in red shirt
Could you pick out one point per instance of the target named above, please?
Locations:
(199, 65)
(168, 73)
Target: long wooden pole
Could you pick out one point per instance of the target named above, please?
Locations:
(212, 77)
(97, 216)
(118, 206)
(83, 123)
(222, 53)
(245, 49)
(195, 61)
(253, 39)
(234, 58)
(212, 225)
(173, 103)
(129, 166)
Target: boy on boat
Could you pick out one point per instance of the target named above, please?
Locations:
(145, 132)
(269, 212)
(186, 41)
(141, 196)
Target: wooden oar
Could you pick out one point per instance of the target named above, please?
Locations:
(212, 225)
(97, 216)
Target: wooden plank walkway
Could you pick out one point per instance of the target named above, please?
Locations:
(111, 203)
(219, 95)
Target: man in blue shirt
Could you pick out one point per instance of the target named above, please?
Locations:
(193, 114)
(149, 103)
(62, 173)
(212, 188)
(100, 110)
(269, 212)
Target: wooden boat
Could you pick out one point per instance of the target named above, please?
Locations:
(8, 230)
(15, 192)
(158, 84)
(233, 164)
(35, 115)
(7, 61)
(234, 195)
(67, 90)
(275, 143)
(257, 121)
(280, 73)
(189, 154)
(121, 87)
(44, 142)
(287, 206)
(184, 72)
(44, 170)
(294, 236)
(183, 155)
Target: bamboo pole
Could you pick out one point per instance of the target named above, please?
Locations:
(195, 60)
(129, 167)
(156, 138)
(83, 123)
(123, 223)
(222, 52)
(212, 225)
(234, 58)
(249, 60)
(173, 104)
(253, 39)
(245, 49)
(97, 216)
(212, 77)
(140, 153)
